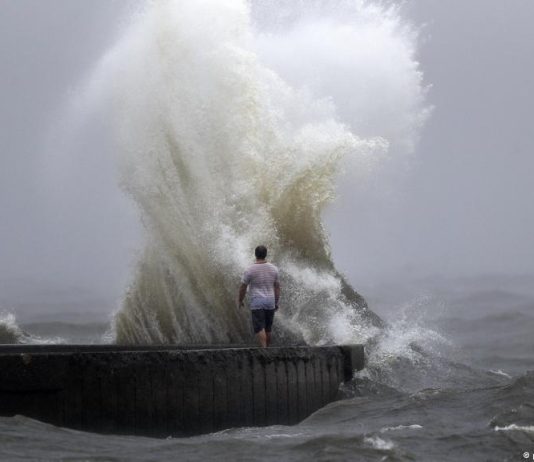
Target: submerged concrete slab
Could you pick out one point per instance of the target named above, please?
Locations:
(170, 390)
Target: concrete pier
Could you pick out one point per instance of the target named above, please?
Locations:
(165, 390)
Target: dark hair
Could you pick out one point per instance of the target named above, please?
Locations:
(261, 252)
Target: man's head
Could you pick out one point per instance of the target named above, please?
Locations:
(261, 252)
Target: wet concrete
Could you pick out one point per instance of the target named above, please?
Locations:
(166, 390)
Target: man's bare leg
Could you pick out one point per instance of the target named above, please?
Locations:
(267, 338)
(262, 338)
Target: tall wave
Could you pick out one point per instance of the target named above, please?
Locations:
(222, 149)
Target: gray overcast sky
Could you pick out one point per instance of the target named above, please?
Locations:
(464, 208)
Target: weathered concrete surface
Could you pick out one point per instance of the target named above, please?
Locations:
(162, 390)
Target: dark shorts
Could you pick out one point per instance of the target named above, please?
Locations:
(262, 319)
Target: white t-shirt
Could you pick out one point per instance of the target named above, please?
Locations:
(260, 278)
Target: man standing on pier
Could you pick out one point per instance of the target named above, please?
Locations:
(261, 278)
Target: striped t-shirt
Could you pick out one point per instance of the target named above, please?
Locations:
(260, 278)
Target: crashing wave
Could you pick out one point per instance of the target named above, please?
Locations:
(220, 153)
(12, 334)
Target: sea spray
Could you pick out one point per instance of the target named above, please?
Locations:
(11, 333)
(221, 154)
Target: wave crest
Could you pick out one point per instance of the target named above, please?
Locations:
(221, 154)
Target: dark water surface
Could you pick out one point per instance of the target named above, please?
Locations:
(449, 383)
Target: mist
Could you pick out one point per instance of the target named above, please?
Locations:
(457, 205)
(464, 207)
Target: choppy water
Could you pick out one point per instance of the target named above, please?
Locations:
(464, 393)
(233, 122)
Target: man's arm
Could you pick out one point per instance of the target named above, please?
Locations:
(276, 293)
(242, 293)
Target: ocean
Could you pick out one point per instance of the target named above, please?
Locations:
(234, 123)
(464, 392)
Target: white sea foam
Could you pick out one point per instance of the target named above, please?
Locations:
(514, 427)
(379, 443)
(500, 372)
(401, 427)
(406, 354)
(11, 333)
(225, 144)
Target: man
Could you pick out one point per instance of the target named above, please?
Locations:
(261, 278)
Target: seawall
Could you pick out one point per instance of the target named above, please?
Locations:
(169, 390)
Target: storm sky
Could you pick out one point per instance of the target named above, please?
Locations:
(466, 205)
(463, 208)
